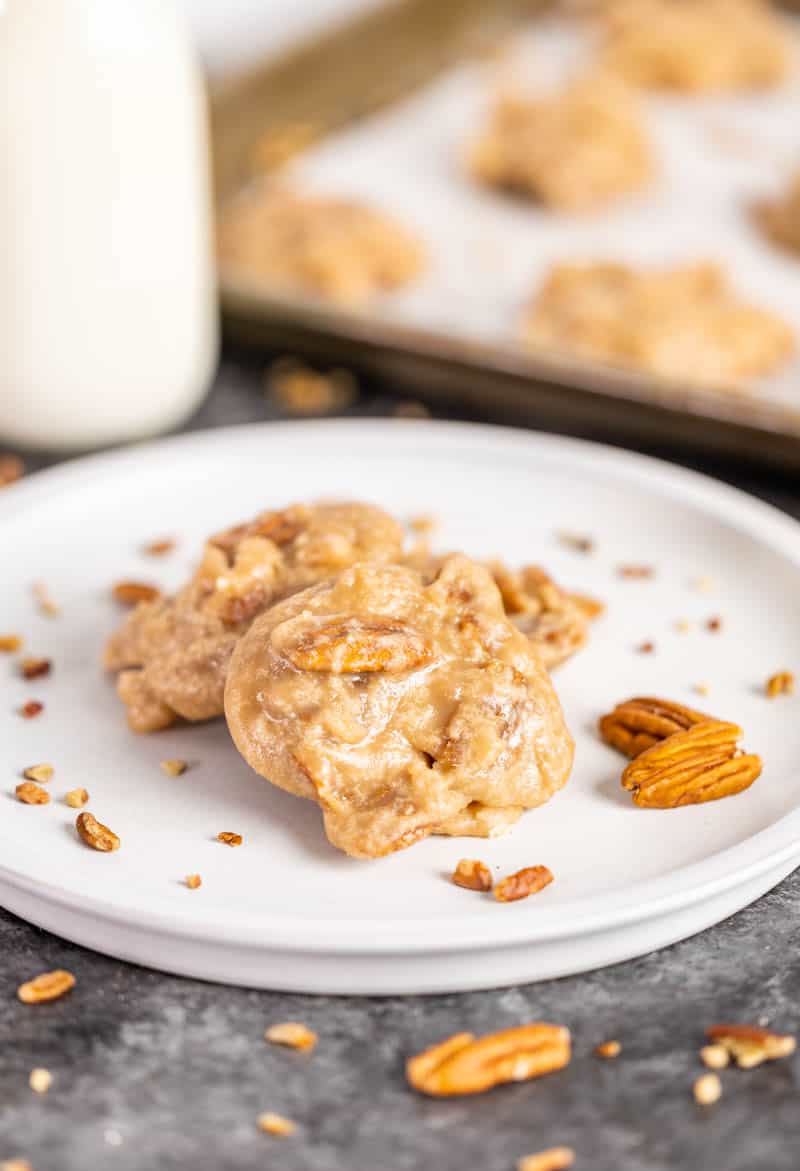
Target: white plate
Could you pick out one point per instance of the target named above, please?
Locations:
(286, 910)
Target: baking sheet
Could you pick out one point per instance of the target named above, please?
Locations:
(717, 157)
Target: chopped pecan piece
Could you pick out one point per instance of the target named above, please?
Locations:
(9, 643)
(15, 1165)
(715, 1056)
(352, 646)
(30, 794)
(576, 541)
(131, 593)
(40, 1080)
(700, 764)
(11, 469)
(276, 1124)
(646, 648)
(159, 547)
(707, 1089)
(292, 1034)
(714, 624)
(472, 874)
(464, 1064)
(229, 839)
(608, 1050)
(174, 768)
(636, 572)
(750, 1045)
(35, 668)
(193, 881)
(76, 798)
(96, 835)
(638, 724)
(41, 773)
(528, 881)
(553, 1159)
(47, 986)
(31, 709)
(781, 683)
(44, 600)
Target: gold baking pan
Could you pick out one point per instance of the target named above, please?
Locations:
(329, 83)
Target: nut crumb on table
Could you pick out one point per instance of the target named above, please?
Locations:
(336, 249)
(296, 388)
(293, 1035)
(696, 46)
(751, 1045)
(608, 1050)
(707, 1089)
(685, 324)
(552, 1159)
(276, 1124)
(572, 150)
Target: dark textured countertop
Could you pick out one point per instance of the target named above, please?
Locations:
(155, 1073)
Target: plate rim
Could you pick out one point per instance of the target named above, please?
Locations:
(686, 886)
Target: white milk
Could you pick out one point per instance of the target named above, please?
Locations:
(108, 319)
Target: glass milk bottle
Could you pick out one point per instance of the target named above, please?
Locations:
(108, 318)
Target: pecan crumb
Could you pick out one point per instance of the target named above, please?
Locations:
(636, 571)
(131, 593)
(30, 709)
(11, 469)
(703, 584)
(41, 773)
(465, 1064)
(276, 1124)
(193, 881)
(715, 1056)
(410, 409)
(174, 768)
(229, 839)
(47, 986)
(30, 794)
(35, 668)
(527, 881)
(682, 626)
(9, 643)
(553, 1159)
(302, 391)
(292, 1034)
(95, 834)
(40, 1080)
(75, 798)
(578, 542)
(751, 1045)
(608, 1050)
(702, 688)
(423, 524)
(44, 601)
(472, 874)
(707, 1089)
(647, 647)
(781, 683)
(160, 547)
(15, 1165)
(714, 624)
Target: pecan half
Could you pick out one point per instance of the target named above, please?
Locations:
(528, 881)
(131, 593)
(638, 724)
(30, 794)
(701, 764)
(47, 986)
(464, 1064)
(750, 1045)
(96, 835)
(472, 874)
(355, 645)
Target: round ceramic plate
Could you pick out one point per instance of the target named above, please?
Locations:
(288, 911)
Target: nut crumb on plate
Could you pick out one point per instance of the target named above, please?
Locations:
(472, 874)
(574, 150)
(779, 219)
(465, 1064)
(193, 881)
(9, 643)
(44, 600)
(30, 794)
(229, 839)
(34, 667)
(702, 688)
(751, 1045)
(40, 1080)
(131, 593)
(714, 624)
(578, 542)
(639, 723)
(96, 835)
(41, 773)
(159, 547)
(30, 709)
(528, 881)
(608, 1050)
(703, 584)
(646, 648)
(707, 1089)
(46, 986)
(76, 798)
(292, 1034)
(553, 1159)
(685, 324)
(298, 389)
(173, 768)
(276, 1124)
(635, 572)
(781, 683)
